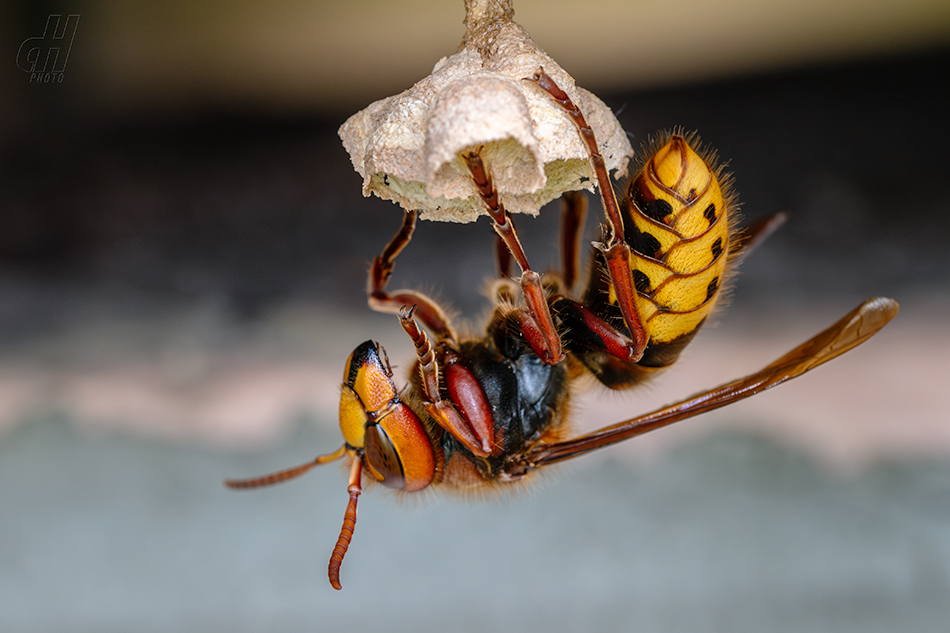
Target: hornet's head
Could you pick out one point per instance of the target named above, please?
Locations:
(398, 451)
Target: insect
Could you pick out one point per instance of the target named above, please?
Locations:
(489, 411)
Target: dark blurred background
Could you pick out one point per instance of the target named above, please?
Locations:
(183, 249)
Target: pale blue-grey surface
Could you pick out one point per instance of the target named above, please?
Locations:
(106, 533)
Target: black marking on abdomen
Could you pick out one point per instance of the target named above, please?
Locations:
(645, 244)
(652, 208)
(641, 281)
(717, 248)
(712, 288)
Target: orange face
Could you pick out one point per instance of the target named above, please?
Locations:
(396, 449)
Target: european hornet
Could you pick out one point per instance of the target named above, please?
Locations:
(487, 412)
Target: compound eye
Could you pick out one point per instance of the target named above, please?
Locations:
(382, 459)
(398, 450)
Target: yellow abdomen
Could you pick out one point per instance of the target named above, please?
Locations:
(679, 242)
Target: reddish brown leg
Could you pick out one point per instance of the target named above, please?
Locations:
(573, 214)
(473, 427)
(615, 250)
(381, 300)
(543, 336)
(349, 523)
(502, 258)
(590, 332)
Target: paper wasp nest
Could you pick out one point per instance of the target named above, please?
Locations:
(407, 147)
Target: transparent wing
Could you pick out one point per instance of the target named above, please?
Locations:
(750, 237)
(853, 329)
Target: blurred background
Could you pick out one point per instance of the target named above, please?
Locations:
(183, 249)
